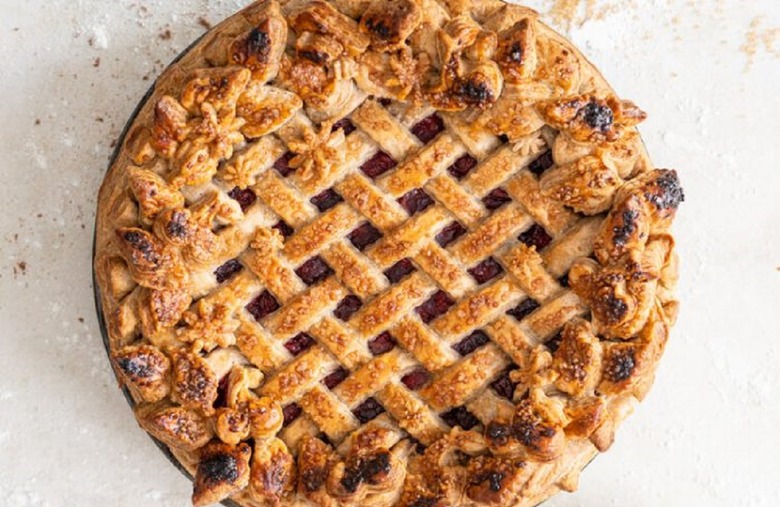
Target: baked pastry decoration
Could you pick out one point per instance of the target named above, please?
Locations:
(405, 252)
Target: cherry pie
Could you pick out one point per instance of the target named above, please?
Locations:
(385, 252)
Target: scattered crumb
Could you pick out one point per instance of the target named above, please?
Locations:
(755, 37)
(37, 121)
(166, 34)
(99, 119)
(205, 23)
(81, 319)
(39, 215)
(96, 63)
(20, 268)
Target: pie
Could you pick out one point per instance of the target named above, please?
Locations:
(385, 252)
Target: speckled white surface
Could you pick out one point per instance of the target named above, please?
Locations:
(707, 71)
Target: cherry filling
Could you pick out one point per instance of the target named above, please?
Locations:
(368, 410)
(282, 164)
(415, 201)
(364, 235)
(486, 270)
(399, 270)
(326, 200)
(450, 234)
(347, 307)
(381, 344)
(314, 270)
(346, 125)
(428, 128)
(262, 305)
(553, 343)
(245, 198)
(496, 199)
(542, 163)
(335, 378)
(379, 164)
(434, 306)
(503, 386)
(460, 416)
(416, 379)
(535, 236)
(385, 101)
(525, 308)
(284, 229)
(291, 412)
(564, 280)
(229, 269)
(461, 167)
(299, 343)
(221, 400)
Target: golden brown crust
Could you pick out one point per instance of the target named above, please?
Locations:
(254, 253)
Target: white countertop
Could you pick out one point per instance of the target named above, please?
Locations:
(708, 73)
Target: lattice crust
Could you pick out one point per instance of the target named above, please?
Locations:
(405, 252)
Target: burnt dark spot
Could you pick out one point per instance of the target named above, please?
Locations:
(530, 434)
(313, 478)
(525, 308)
(460, 416)
(399, 270)
(623, 232)
(473, 92)
(218, 468)
(347, 307)
(140, 243)
(138, 366)
(515, 53)
(229, 269)
(326, 200)
(368, 410)
(498, 433)
(620, 365)
(315, 56)
(471, 343)
(379, 29)
(613, 308)
(542, 163)
(494, 480)
(670, 193)
(450, 234)
(177, 225)
(598, 116)
(370, 469)
(258, 42)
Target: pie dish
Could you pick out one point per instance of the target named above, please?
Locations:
(375, 253)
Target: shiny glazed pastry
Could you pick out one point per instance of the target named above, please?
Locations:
(379, 253)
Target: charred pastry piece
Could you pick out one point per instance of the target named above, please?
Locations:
(222, 470)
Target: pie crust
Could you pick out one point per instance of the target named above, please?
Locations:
(372, 252)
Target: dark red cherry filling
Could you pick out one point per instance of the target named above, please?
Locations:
(428, 128)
